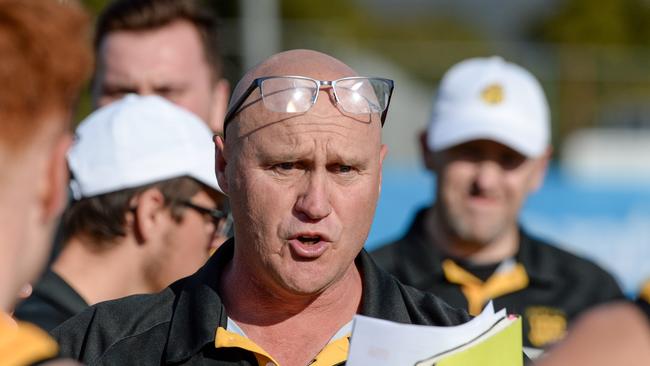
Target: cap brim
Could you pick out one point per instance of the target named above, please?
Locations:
(449, 132)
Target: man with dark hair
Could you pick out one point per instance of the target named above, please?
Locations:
(164, 47)
(145, 209)
(488, 144)
(36, 101)
(301, 162)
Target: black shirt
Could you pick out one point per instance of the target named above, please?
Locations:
(643, 301)
(547, 286)
(177, 326)
(51, 303)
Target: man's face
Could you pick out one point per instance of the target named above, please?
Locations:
(303, 189)
(186, 244)
(481, 187)
(169, 62)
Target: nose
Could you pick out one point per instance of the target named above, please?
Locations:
(313, 203)
(488, 174)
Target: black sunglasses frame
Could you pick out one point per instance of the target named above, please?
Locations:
(215, 214)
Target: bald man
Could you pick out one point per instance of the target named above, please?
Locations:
(301, 162)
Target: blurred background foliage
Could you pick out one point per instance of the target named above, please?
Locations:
(591, 56)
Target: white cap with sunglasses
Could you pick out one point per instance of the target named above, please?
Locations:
(136, 141)
(489, 98)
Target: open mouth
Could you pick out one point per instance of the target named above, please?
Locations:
(309, 245)
(309, 239)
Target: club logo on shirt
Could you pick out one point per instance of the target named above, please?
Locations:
(492, 94)
(547, 325)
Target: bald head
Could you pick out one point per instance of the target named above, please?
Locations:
(247, 102)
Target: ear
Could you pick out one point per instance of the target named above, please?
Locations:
(541, 166)
(427, 155)
(220, 96)
(149, 215)
(220, 163)
(55, 187)
(382, 154)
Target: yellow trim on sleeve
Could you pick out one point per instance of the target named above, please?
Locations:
(477, 292)
(23, 343)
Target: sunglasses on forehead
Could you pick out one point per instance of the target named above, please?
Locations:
(297, 94)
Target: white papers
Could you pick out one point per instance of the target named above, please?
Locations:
(380, 342)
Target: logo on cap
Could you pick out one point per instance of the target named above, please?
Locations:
(492, 94)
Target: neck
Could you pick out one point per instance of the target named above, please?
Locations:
(8, 290)
(497, 249)
(9, 271)
(101, 274)
(24, 237)
(305, 322)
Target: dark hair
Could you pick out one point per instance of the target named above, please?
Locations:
(142, 15)
(102, 218)
(46, 59)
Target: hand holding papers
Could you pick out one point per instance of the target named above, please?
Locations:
(488, 339)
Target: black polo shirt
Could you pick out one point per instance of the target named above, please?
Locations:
(51, 303)
(178, 325)
(546, 285)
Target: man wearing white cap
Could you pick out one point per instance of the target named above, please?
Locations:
(488, 144)
(145, 210)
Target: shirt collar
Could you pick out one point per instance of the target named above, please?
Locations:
(198, 309)
(427, 258)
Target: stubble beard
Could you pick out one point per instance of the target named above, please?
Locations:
(471, 232)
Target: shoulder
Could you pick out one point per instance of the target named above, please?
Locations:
(140, 319)
(428, 309)
(385, 297)
(562, 261)
(551, 267)
(41, 311)
(386, 254)
(52, 302)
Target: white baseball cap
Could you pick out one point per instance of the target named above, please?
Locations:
(139, 140)
(489, 98)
